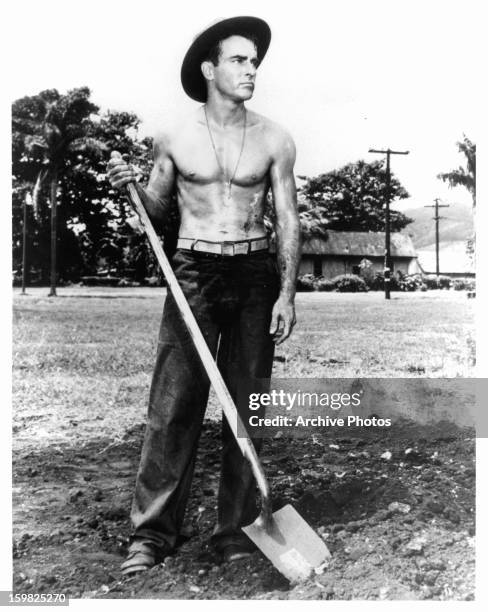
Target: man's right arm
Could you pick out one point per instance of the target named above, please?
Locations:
(157, 195)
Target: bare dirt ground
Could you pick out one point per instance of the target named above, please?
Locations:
(399, 525)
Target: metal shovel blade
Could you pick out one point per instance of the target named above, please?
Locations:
(290, 544)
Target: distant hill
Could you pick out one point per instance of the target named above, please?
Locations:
(455, 226)
(452, 258)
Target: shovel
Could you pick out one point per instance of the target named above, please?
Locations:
(283, 536)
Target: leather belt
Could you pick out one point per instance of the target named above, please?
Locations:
(227, 248)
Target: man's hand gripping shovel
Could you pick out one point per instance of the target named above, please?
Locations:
(283, 536)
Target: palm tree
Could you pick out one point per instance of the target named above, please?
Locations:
(58, 128)
(465, 177)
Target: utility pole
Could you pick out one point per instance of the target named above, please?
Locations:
(388, 152)
(436, 219)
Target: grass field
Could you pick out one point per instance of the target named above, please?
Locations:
(82, 362)
(81, 375)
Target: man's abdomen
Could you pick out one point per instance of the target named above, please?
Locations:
(216, 217)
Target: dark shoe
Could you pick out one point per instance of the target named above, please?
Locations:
(142, 557)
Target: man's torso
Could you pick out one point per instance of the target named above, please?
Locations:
(210, 208)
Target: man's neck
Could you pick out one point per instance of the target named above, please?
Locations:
(224, 112)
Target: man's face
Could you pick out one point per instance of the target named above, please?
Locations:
(235, 74)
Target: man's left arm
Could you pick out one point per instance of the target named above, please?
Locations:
(287, 230)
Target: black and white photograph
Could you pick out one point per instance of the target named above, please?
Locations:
(245, 320)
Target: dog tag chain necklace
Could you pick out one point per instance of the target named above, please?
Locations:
(228, 181)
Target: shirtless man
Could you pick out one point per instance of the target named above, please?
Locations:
(223, 159)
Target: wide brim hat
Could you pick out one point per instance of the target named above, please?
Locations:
(192, 78)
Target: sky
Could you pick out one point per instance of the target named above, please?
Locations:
(342, 77)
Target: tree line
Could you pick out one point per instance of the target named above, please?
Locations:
(76, 224)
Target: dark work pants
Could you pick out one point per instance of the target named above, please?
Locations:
(232, 299)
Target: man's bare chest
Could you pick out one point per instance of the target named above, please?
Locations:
(242, 158)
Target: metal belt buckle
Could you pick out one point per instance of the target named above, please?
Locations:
(228, 248)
